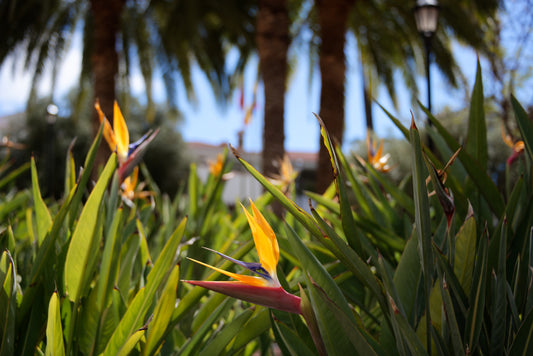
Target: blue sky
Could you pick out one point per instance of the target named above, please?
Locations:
(207, 122)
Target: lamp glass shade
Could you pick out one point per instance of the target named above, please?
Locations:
(426, 16)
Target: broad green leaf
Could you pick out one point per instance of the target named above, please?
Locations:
(465, 253)
(84, 239)
(476, 141)
(8, 304)
(524, 125)
(217, 345)
(162, 313)
(54, 330)
(42, 215)
(136, 313)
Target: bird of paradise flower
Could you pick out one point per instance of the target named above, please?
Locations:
(264, 288)
(118, 139)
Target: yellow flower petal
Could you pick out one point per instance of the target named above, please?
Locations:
(109, 135)
(121, 132)
(249, 280)
(265, 240)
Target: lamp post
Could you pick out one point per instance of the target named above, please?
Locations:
(426, 16)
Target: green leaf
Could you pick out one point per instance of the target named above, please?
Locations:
(217, 345)
(292, 340)
(474, 318)
(194, 343)
(144, 299)
(406, 278)
(291, 206)
(54, 331)
(476, 140)
(310, 319)
(108, 267)
(422, 222)
(44, 220)
(311, 265)
(465, 253)
(84, 239)
(451, 321)
(348, 223)
(409, 336)
(257, 325)
(350, 259)
(85, 175)
(132, 341)
(162, 313)
(8, 304)
(14, 174)
(523, 342)
(479, 176)
(499, 301)
(524, 125)
(337, 328)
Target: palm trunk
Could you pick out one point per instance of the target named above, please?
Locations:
(272, 39)
(332, 18)
(104, 60)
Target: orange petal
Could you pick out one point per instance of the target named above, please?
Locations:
(264, 239)
(121, 132)
(249, 280)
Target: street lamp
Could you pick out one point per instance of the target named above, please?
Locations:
(426, 16)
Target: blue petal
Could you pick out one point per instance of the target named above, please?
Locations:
(255, 267)
(134, 145)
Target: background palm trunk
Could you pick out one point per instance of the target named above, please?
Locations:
(273, 40)
(332, 19)
(104, 61)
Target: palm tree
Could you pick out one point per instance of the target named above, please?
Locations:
(387, 41)
(169, 35)
(332, 19)
(272, 38)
